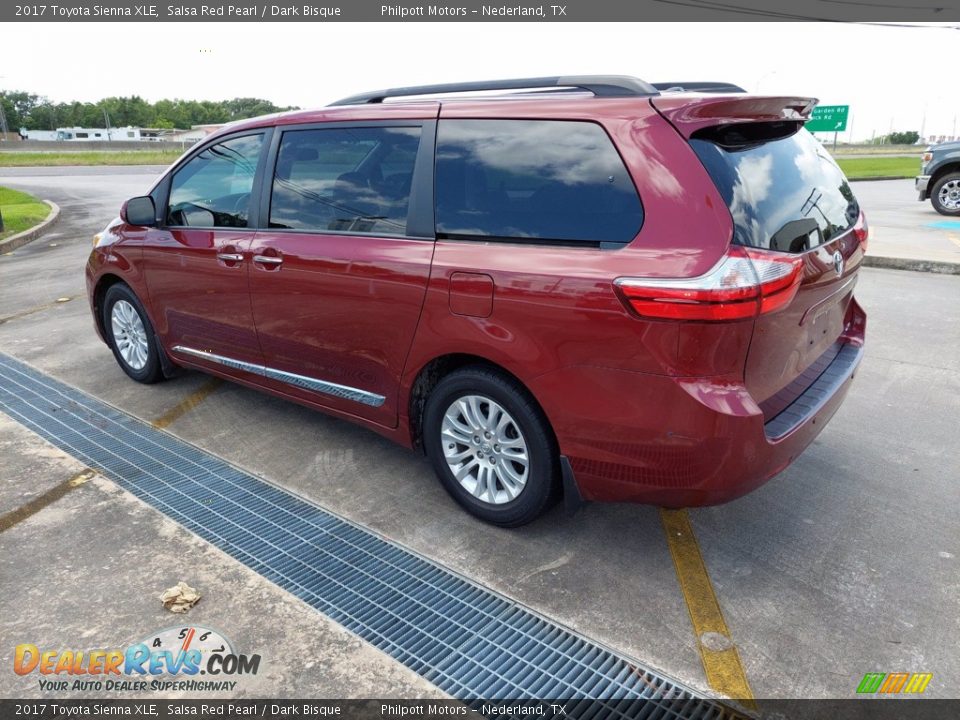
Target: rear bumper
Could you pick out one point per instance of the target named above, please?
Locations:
(681, 442)
(922, 185)
(812, 401)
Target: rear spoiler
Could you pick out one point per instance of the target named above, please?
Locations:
(688, 114)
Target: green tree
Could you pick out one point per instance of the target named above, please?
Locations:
(24, 109)
(908, 137)
(16, 107)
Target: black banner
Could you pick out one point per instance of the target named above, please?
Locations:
(943, 11)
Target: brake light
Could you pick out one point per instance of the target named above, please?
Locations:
(927, 157)
(861, 231)
(746, 283)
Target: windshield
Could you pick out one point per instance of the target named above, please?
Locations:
(785, 194)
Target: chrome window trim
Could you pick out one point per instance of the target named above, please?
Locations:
(302, 381)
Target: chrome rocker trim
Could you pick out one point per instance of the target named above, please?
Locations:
(301, 381)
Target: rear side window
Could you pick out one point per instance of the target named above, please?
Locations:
(784, 194)
(344, 180)
(213, 188)
(533, 179)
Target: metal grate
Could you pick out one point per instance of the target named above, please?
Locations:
(468, 641)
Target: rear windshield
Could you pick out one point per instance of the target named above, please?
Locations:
(784, 194)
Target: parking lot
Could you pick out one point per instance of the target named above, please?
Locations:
(844, 564)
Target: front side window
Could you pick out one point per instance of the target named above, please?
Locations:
(213, 188)
(533, 179)
(344, 180)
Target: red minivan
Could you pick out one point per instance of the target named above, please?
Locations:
(591, 287)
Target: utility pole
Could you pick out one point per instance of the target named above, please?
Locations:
(3, 124)
(762, 78)
(106, 119)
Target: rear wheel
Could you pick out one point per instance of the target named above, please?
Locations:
(945, 195)
(491, 446)
(130, 335)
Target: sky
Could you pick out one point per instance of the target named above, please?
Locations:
(889, 76)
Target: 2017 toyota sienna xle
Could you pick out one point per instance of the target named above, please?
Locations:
(595, 286)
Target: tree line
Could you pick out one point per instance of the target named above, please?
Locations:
(35, 112)
(907, 137)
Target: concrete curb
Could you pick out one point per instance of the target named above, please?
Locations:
(882, 177)
(20, 239)
(896, 263)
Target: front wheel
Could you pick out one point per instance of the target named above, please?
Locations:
(945, 195)
(130, 335)
(491, 446)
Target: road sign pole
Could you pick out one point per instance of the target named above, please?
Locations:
(834, 140)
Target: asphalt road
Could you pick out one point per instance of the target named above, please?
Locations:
(905, 227)
(844, 564)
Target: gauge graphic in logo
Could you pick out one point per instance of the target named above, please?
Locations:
(185, 638)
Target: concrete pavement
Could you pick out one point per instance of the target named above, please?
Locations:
(89, 570)
(904, 228)
(845, 563)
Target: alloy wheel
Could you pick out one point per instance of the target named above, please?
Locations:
(949, 195)
(129, 334)
(485, 449)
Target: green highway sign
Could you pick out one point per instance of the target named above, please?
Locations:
(828, 118)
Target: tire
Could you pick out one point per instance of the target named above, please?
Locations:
(130, 335)
(949, 187)
(460, 405)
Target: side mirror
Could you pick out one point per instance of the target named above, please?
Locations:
(139, 211)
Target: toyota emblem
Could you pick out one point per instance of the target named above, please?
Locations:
(838, 263)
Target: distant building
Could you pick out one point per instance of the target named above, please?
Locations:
(38, 134)
(80, 134)
(195, 134)
(935, 139)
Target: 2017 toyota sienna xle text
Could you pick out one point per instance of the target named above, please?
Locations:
(596, 286)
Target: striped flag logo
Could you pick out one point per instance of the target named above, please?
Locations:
(893, 683)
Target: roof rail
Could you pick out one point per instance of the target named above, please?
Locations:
(599, 85)
(699, 86)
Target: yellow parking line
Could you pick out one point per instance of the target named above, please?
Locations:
(13, 517)
(188, 403)
(721, 661)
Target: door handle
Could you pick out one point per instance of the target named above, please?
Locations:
(230, 257)
(268, 259)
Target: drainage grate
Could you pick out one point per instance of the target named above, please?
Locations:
(468, 641)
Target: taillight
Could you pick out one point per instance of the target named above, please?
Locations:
(926, 157)
(861, 231)
(747, 283)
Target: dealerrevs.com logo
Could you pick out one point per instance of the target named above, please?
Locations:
(169, 660)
